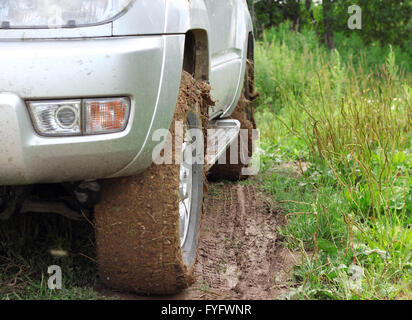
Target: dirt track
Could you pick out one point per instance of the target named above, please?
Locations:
(240, 255)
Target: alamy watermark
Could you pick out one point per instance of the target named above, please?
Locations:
(355, 20)
(55, 280)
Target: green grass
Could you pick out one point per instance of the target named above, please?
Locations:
(346, 116)
(25, 245)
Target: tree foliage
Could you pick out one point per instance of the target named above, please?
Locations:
(387, 21)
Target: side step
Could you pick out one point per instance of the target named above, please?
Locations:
(221, 133)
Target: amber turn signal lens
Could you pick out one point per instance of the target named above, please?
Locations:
(105, 115)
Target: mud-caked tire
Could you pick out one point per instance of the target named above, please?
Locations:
(138, 223)
(244, 113)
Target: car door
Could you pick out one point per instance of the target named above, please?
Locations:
(225, 56)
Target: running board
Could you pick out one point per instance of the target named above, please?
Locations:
(221, 133)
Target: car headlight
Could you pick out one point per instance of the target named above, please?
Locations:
(59, 13)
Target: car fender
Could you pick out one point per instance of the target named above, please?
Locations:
(183, 15)
(144, 17)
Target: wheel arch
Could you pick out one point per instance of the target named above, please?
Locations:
(196, 59)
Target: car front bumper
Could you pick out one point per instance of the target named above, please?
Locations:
(147, 69)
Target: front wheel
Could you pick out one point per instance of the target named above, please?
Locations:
(147, 225)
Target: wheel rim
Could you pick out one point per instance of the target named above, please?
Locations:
(185, 191)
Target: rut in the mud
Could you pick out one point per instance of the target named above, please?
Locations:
(240, 256)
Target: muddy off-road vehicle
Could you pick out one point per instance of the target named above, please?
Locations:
(87, 89)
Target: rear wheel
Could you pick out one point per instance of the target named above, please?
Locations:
(147, 225)
(244, 113)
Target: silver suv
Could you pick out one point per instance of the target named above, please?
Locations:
(86, 86)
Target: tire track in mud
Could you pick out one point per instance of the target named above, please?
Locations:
(240, 256)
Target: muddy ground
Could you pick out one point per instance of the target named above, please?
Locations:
(240, 255)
